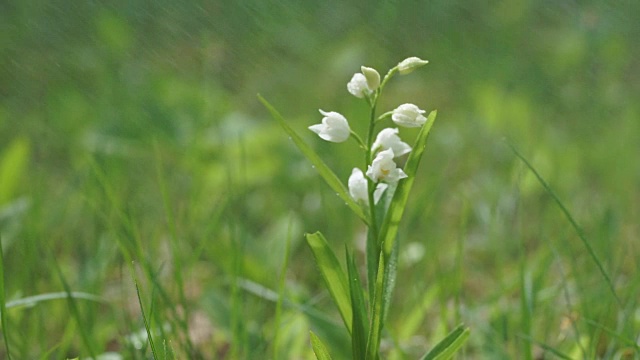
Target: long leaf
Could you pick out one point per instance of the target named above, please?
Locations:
(147, 327)
(573, 223)
(359, 334)
(3, 308)
(329, 176)
(333, 276)
(401, 196)
(318, 348)
(449, 345)
(377, 312)
(75, 312)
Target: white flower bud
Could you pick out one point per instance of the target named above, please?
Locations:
(372, 76)
(358, 86)
(384, 169)
(409, 64)
(334, 127)
(388, 139)
(358, 188)
(408, 115)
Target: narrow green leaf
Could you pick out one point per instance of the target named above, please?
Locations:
(377, 312)
(3, 308)
(281, 292)
(333, 276)
(34, 300)
(75, 312)
(401, 196)
(373, 248)
(329, 176)
(359, 334)
(573, 223)
(391, 271)
(13, 167)
(446, 348)
(146, 322)
(318, 348)
(555, 352)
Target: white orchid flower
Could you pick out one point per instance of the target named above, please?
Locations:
(358, 86)
(408, 115)
(334, 127)
(388, 139)
(358, 188)
(384, 169)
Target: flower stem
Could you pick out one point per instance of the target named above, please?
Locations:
(358, 139)
(371, 186)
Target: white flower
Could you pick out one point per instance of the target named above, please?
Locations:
(409, 64)
(334, 127)
(372, 76)
(388, 139)
(384, 169)
(408, 115)
(358, 86)
(358, 188)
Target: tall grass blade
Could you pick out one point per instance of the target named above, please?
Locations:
(75, 312)
(446, 348)
(333, 276)
(34, 300)
(574, 224)
(175, 249)
(557, 353)
(144, 319)
(3, 307)
(281, 293)
(359, 334)
(318, 348)
(327, 174)
(391, 222)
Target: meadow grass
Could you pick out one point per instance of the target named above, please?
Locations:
(150, 207)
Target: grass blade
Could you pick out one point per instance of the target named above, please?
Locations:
(327, 174)
(34, 300)
(318, 348)
(75, 312)
(449, 345)
(555, 352)
(144, 319)
(401, 195)
(333, 276)
(574, 224)
(359, 320)
(281, 293)
(3, 307)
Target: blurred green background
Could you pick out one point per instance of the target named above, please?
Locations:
(133, 127)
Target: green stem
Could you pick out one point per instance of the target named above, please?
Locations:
(358, 139)
(387, 77)
(368, 158)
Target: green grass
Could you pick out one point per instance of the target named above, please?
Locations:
(131, 133)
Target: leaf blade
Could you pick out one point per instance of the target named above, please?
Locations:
(377, 312)
(392, 219)
(334, 278)
(359, 319)
(3, 307)
(319, 348)
(327, 174)
(449, 345)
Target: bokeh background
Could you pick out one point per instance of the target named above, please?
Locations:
(130, 131)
